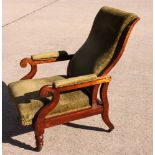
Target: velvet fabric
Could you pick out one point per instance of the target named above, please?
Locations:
(27, 101)
(74, 80)
(98, 50)
(48, 55)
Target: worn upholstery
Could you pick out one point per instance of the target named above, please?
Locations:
(27, 100)
(74, 80)
(47, 55)
(98, 50)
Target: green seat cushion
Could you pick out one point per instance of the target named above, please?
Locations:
(98, 50)
(27, 100)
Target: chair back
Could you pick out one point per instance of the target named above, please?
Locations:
(105, 43)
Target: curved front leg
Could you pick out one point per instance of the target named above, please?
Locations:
(39, 131)
(33, 70)
(104, 98)
(39, 120)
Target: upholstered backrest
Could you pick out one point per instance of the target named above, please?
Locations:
(99, 49)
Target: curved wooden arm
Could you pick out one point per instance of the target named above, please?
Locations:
(34, 63)
(41, 114)
(39, 119)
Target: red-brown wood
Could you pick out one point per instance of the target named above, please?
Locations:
(104, 99)
(40, 124)
(94, 95)
(33, 70)
(73, 116)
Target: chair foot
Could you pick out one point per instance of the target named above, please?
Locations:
(107, 121)
(39, 142)
(110, 128)
(38, 149)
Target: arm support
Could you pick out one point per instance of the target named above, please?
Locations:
(42, 113)
(56, 93)
(33, 63)
(40, 116)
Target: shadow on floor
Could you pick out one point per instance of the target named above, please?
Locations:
(10, 125)
(79, 126)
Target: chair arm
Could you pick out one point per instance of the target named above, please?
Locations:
(70, 86)
(74, 80)
(49, 55)
(80, 82)
(42, 113)
(41, 59)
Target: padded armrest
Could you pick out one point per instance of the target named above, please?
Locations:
(49, 55)
(74, 80)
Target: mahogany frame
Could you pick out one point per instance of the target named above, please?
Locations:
(40, 121)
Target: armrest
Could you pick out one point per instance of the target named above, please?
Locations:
(74, 80)
(42, 59)
(49, 55)
(75, 83)
(91, 81)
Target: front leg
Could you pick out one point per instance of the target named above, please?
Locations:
(39, 140)
(104, 98)
(39, 131)
(40, 117)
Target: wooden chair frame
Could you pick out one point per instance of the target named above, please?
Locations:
(40, 121)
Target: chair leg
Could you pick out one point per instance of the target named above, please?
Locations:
(39, 131)
(105, 118)
(39, 142)
(105, 114)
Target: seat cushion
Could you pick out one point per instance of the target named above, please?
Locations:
(27, 100)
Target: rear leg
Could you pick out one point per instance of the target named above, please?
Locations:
(105, 114)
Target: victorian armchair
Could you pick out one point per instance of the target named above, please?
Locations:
(50, 101)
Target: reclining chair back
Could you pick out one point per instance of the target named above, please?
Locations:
(105, 43)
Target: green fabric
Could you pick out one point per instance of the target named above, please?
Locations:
(27, 100)
(98, 50)
(48, 55)
(74, 80)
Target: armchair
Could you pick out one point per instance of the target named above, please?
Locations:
(50, 101)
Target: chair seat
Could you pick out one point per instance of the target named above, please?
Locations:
(27, 100)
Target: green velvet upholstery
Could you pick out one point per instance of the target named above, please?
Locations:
(27, 100)
(48, 55)
(74, 80)
(98, 50)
